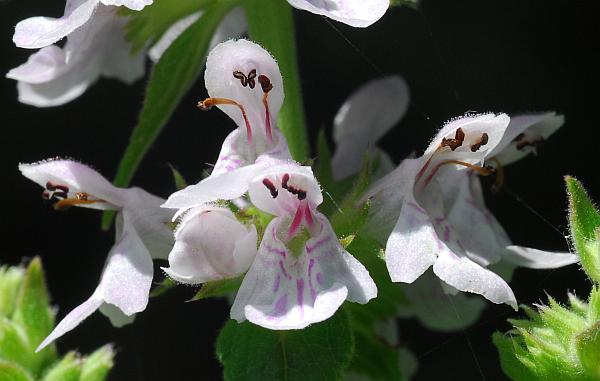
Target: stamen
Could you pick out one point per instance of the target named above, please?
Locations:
(69, 202)
(241, 76)
(209, 103)
(481, 142)
(484, 171)
(459, 138)
(271, 187)
(267, 86)
(251, 77)
(300, 193)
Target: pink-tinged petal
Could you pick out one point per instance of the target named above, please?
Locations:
(538, 259)
(465, 275)
(386, 196)
(127, 276)
(38, 32)
(136, 5)
(73, 319)
(480, 234)
(369, 113)
(210, 244)
(283, 290)
(55, 76)
(473, 127)
(226, 186)
(356, 13)
(523, 135)
(226, 67)
(287, 182)
(77, 178)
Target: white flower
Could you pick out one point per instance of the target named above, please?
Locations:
(357, 13)
(244, 81)
(96, 47)
(439, 219)
(54, 76)
(301, 274)
(211, 244)
(141, 234)
(366, 116)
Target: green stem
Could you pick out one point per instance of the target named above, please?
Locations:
(271, 24)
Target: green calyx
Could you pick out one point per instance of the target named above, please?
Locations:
(26, 318)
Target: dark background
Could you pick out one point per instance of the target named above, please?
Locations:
(457, 56)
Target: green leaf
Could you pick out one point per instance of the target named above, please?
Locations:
(180, 182)
(149, 24)
(164, 286)
(14, 345)
(170, 79)
(375, 358)
(584, 220)
(32, 312)
(588, 349)
(12, 372)
(67, 369)
(511, 366)
(270, 24)
(10, 282)
(98, 364)
(218, 288)
(320, 352)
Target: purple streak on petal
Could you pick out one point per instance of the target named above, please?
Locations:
(296, 222)
(281, 305)
(319, 243)
(308, 215)
(300, 294)
(446, 233)
(277, 282)
(313, 293)
(282, 267)
(417, 207)
(275, 250)
(439, 220)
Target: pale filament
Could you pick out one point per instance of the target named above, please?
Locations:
(68, 202)
(481, 170)
(208, 103)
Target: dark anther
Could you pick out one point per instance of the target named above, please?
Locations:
(251, 76)
(265, 83)
(301, 195)
(482, 141)
(284, 181)
(46, 195)
(519, 137)
(459, 137)
(55, 192)
(50, 186)
(271, 187)
(241, 76)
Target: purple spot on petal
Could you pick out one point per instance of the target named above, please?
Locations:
(320, 278)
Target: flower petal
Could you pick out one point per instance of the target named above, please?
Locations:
(244, 57)
(226, 186)
(127, 276)
(54, 76)
(369, 113)
(526, 130)
(136, 5)
(78, 178)
(210, 244)
(357, 13)
(284, 201)
(285, 291)
(538, 259)
(73, 319)
(465, 275)
(38, 32)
